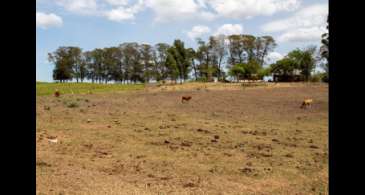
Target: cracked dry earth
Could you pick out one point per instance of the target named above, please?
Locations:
(252, 141)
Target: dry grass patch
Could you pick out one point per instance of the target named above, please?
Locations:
(254, 141)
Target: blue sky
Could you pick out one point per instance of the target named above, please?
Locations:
(93, 24)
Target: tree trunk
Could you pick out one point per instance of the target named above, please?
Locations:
(263, 56)
(194, 68)
(219, 69)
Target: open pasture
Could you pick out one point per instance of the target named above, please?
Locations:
(227, 139)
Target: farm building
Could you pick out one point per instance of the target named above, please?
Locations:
(294, 77)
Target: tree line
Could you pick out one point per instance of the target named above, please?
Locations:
(240, 56)
(304, 61)
(133, 62)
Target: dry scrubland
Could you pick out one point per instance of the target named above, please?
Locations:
(226, 140)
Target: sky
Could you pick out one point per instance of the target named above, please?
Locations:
(91, 24)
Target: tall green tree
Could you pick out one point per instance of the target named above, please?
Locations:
(63, 60)
(252, 69)
(219, 52)
(305, 60)
(132, 61)
(89, 65)
(97, 56)
(324, 51)
(146, 52)
(236, 50)
(238, 71)
(75, 57)
(204, 58)
(248, 42)
(160, 69)
(112, 62)
(171, 65)
(263, 46)
(83, 68)
(325, 44)
(249, 70)
(284, 67)
(192, 56)
(181, 58)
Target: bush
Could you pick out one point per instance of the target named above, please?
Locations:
(72, 105)
(315, 78)
(325, 78)
(225, 81)
(320, 77)
(203, 79)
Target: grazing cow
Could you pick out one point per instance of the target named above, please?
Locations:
(185, 98)
(306, 103)
(57, 93)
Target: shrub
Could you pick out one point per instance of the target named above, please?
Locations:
(72, 105)
(319, 77)
(325, 78)
(203, 79)
(315, 78)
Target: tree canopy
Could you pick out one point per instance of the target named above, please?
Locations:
(242, 55)
(302, 61)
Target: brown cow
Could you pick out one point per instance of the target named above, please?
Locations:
(57, 93)
(185, 98)
(306, 103)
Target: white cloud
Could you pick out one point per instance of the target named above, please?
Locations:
(120, 14)
(302, 35)
(45, 21)
(198, 31)
(117, 2)
(239, 9)
(314, 15)
(272, 57)
(168, 10)
(124, 13)
(307, 24)
(202, 3)
(79, 6)
(178, 10)
(229, 29)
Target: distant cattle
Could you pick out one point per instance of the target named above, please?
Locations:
(306, 103)
(57, 93)
(185, 98)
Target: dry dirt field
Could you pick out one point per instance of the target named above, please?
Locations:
(226, 140)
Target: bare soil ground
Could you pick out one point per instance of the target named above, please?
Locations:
(226, 140)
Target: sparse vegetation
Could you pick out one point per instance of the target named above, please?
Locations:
(224, 140)
(195, 137)
(72, 105)
(83, 88)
